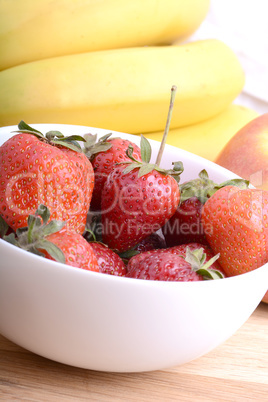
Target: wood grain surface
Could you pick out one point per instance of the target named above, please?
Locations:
(235, 371)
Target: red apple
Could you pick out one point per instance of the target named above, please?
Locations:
(246, 154)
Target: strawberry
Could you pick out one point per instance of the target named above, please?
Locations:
(152, 242)
(109, 262)
(50, 239)
(181, 250)
(236, 226)
(138, 198)
(104, 156)
(185, 225)
(49, 169)
(189, 264)
(77, 251)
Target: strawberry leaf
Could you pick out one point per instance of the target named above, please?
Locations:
(131, 167)
(146, 150)
(55, 135)
(20, 231)
(50, 135)
(210, 273)
(92, 147)
(32, 249)
(90, 235)
(51, 248)
(75, 138)
(196, 258)
(211, 261)
(129, 153)
(11, 238)
(90, 140)
(241, 183)
(93, 230)
(44, 212)
(34, 223)
(145, 169)
(105, 137)
(65, 142)
(53, 227)
(22, 126)
(204, 175)
(126, 255)
(178, 166)
(3, 227)
(203, 187)
(199, 187)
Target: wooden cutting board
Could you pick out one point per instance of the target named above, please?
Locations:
(235, 371)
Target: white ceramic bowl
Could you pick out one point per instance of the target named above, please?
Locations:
(108, 323)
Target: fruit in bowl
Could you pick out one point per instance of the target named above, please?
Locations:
(120, 323)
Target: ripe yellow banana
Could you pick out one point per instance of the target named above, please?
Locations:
(123, 89)
(37, 29)
(208, 138)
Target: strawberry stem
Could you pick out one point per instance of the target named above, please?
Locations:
(170, 110)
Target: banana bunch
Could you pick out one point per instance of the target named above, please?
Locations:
(39, 29)
(123, 89)
(111, 64)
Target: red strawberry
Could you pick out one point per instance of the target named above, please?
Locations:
(138, 198)
(181, 251)
(236, 226)
(164, 265)
(185, 225)
(104, 155)
(109, 262)
(35, 169)
(152, 242)
(50, 239)
(77, 251)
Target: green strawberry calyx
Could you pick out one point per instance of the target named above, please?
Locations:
(203, 187)
(32, 238)
(93, 147)
(145, 166)
(53, 137)
(196, 258)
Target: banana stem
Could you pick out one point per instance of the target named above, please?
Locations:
(163, 142)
